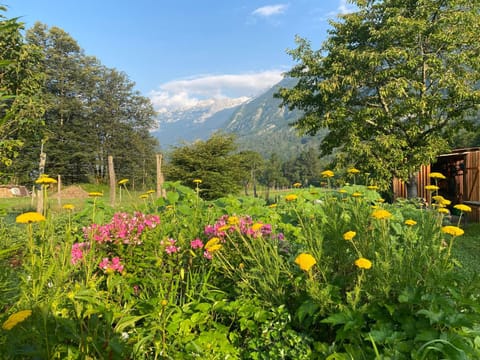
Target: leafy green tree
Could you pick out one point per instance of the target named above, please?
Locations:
(251, 163)
(272, 176)
(21, 103)
(92, 112)
(393, 82)
(213, 161)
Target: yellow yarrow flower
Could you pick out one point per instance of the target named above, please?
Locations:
(463, 207)
(291, 197)
(437, 175)
(410, 222)
(452, 230)
(342, 191)
(150, 191)
(233, 220)
(381, 214)
(272, 206)
(443, 210)
(197, 181)
(353, 171)
(327, 174)
(305, 261)
(213, 244)
(363, 263)
(29, 217)
(440, 200)
(44, 179)
(431, 187)
(122, 182)
(95, 194)
(257, 227)
(372, 187)
(297, 185)
(16, 318)
(143, 196)
(349, 235)
(357, 194)
(69, 207)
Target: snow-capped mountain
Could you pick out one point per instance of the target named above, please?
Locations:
(194, 121)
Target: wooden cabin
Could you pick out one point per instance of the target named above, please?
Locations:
(461, 168)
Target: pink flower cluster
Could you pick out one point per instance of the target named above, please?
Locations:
(170, 247)
(229, 224)
(123, 229)
(110, 266)
(77, 252)
(198, 244)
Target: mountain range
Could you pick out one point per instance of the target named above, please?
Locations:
(259, 124)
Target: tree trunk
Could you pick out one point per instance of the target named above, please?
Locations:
(412, 190)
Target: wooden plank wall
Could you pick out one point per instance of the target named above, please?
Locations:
(472, 182)
(400, 189)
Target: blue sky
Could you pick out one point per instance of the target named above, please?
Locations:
(182, 51)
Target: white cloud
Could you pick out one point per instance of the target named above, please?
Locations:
(270, 10)
(203, 90)
(345, 8)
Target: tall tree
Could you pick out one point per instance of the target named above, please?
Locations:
(92, 112)
(21, 103)
(393, 82)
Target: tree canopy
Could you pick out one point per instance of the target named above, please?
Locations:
(90, 112)
(21, 106)
(393, 83)
(216, 162)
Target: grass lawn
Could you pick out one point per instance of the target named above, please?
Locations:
(467, 250)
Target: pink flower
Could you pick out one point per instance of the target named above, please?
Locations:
(111, 266)
(170, 249)
(196, 244)
(207, 255)
(77, 252)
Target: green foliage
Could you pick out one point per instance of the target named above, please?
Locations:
(182, 278)
(393, 83)
(90, 112)
(214, 162)
(21, 106)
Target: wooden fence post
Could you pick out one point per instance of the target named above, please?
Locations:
(41, 170)
(59, 190)
(160, 179)
(113, 181)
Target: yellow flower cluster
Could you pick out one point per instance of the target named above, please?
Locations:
(122, 182)
(95, 194)
(291, 197)
(452, 230)
(353, 171)
(437, 175)
(410, 222)
(363, 263)
(29, 217)
(213, 245)
(463, 207)
(305, 261)
(381, 214)
(16, 318)
(327, 174)
(44, 180)
(349, 235)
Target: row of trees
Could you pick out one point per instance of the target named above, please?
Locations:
(223, 169)
(57, 99)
